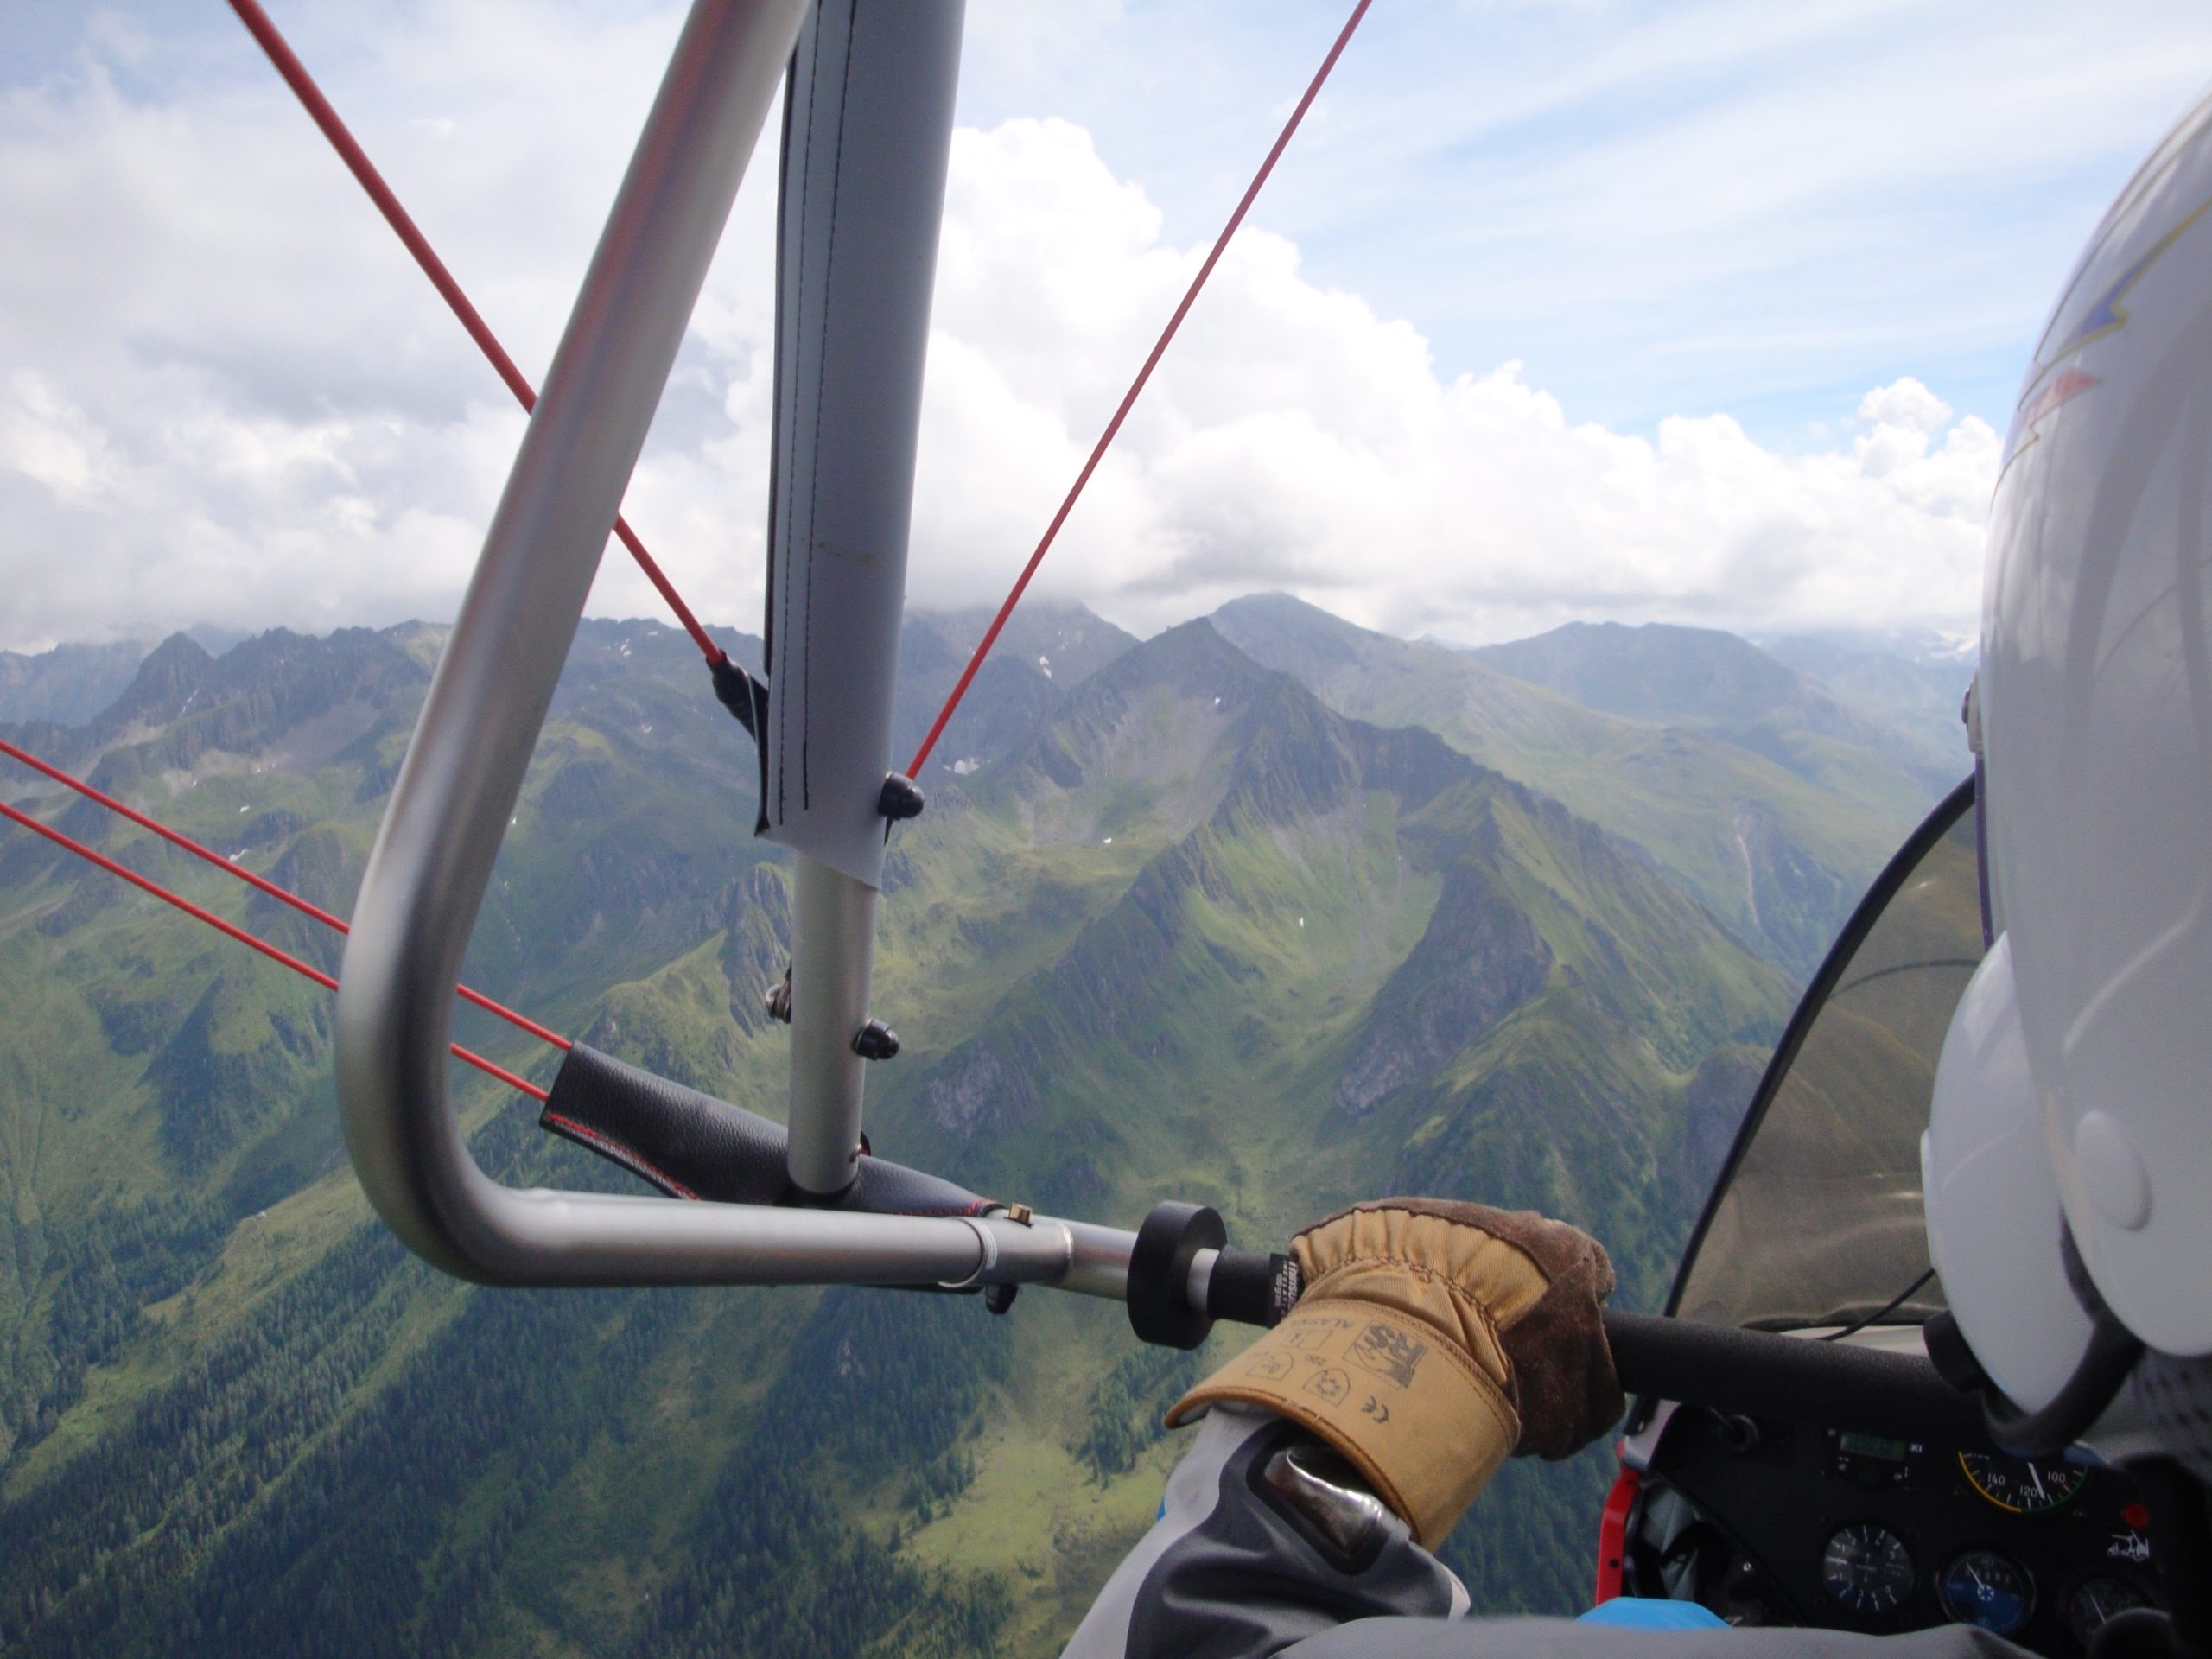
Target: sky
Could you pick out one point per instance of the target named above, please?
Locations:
(1705, 312)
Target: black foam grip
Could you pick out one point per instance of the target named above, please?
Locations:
(1251, 1287)
(1834, 1383)
(692, 1146)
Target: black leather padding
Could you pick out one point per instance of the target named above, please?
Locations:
(692, 1146)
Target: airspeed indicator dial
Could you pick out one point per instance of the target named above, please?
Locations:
(2021, 1485)
(1865, 1567)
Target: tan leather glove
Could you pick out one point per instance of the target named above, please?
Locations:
(1432, 1340)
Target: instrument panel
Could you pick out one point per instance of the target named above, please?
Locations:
(1795, 1524)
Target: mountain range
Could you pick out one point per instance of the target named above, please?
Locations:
(1779, 854)
(1268, 912)
(69, 684)
(1709, 681)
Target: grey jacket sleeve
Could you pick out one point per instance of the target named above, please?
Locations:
(1267, 1545)
(1262, 1541)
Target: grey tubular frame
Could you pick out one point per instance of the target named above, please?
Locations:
(833, 960)
(464, 770)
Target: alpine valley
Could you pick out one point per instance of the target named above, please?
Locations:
(1268, 912)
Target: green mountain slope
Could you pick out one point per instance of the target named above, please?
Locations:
(1779, 857)
(1183, 931)
(1913, 684)
(1045, 650)
(1713, 681)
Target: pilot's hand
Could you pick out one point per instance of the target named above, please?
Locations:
(1432, 1340)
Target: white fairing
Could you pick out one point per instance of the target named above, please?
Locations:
(2096, 711)
(1992, 1204)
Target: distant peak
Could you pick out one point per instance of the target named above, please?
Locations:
(177, 649)
(1175, 651)
(1648, 632)
(1278, 607)
(1285, 632)
(1077, 640)
(172, 674)
(1575, 650)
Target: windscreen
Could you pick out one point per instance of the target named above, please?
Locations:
(1818, 1220)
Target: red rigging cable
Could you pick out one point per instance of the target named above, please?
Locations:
(1136, 386)
(490, 1068)
(349, 150)
(319, 109)
(521, 1022)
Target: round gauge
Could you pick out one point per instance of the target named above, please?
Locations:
(2021, 1485)
(1988, 1590)
(2095, 1600)
(1865, 1567)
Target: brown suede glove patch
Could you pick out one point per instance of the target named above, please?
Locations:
(1434, 1338)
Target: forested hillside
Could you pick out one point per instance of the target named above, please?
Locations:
(1172, 925)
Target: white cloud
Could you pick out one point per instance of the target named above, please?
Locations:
(226, 398)
(48, 442)
(1293, 438)
(1907, 405)
(1657, 204)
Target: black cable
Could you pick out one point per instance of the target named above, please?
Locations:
(1883, 1311)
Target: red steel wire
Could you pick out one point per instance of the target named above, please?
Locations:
(1129, 400)
(349, 150)
(521, 1022)
(244, 938)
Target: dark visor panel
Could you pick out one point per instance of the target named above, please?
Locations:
(1818, 1220)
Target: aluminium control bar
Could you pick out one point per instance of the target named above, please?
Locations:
(479, 722)
(464, 769)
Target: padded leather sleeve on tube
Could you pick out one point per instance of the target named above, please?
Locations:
(692, 1146)
(867, 131)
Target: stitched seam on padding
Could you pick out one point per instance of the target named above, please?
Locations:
(607, 1146)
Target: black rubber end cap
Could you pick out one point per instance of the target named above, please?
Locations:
(1160, 1274)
